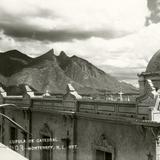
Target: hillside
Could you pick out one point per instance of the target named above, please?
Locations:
(53, 73)
(12, 62)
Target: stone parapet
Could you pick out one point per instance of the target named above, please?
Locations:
(74, 103)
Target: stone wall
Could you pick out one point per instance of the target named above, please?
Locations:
(54, 126)
(129, 142)
(122, 129)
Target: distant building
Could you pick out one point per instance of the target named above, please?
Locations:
(75, 127)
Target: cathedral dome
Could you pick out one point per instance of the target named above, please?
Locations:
(154, 63)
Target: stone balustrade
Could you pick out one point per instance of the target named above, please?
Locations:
(69, 104)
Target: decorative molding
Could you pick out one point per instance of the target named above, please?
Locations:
(45, 130)
(150, 156)
(29, 91)
(3, 92)
(71, 93)
(103, 144)
(151, 100)
(27, 100)
(156, 134)
(150, 94)
(142, 131)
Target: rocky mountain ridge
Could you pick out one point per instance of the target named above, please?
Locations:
(53, 73)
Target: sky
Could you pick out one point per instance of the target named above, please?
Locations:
(118, 36)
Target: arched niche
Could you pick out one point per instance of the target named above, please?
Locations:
(103, 147)
(46, 133)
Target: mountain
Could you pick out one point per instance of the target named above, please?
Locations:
(43, 73)
(12, 62)
(88, 75)
(53, 73)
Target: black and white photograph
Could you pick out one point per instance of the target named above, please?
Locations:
(79, 79)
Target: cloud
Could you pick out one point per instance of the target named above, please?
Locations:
(127, 55)
(32, 48)
(124, 74)
(31, 32)
(154, 7)
(61, 21)
(108, 33)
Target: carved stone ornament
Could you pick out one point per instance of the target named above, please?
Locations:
(150, 156)
(104, 144)
(152, 96)
(26, 99)
(46, 130)
(102, 141)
